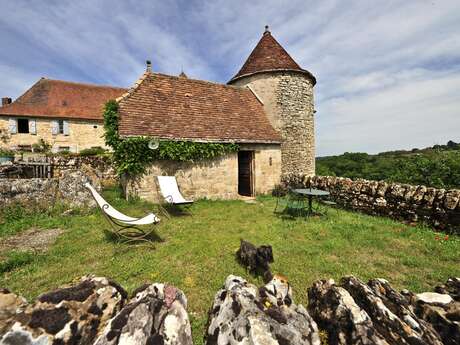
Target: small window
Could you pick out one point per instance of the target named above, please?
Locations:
(23, 126)
(64, 148)
(60, 126)
(95, 126)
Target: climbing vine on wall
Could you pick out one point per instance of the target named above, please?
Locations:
(132, 155)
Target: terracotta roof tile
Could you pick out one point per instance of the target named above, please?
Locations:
(170, 107)
(63, 99)
(269, 55)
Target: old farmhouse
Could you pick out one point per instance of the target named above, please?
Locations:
(267, 108)
(66, 115)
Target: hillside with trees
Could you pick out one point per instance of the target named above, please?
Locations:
(437, 166)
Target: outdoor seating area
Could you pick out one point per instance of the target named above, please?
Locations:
(197, 253)
(304, 202)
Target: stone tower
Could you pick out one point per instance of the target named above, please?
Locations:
(286, 90)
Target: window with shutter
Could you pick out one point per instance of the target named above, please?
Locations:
(54, 127)
(66, 127)
(32, 126)
(13, 126)
(23, 125)
(61, 126)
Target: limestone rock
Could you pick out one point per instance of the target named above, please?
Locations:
(243, 314)
(397, 326)
(451, 287)
(434, 298)
(443, 315)
(155, 315)
(335, 311)
(70, 315)
(10, 305)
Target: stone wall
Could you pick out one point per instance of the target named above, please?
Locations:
(96, 167)
(82, 134)
(67, 189)
(437, 207)
(98, 311)
(211, 179)
(289, 104)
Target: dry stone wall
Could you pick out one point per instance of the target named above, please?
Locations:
(99, 167)
(437, 207)
(97, 310)
(43, 192)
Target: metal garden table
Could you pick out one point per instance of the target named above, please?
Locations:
(310, 193)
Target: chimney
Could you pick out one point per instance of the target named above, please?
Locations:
(6, 101)
(149, 65)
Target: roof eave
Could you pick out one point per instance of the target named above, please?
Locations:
(305, 72)
(54, 117)
(211, 140)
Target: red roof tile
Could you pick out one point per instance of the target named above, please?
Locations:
(269, 55)
(63, 99)
(170, 107)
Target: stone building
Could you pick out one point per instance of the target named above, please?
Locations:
(66, 115)
(267, 108)
(286, 91)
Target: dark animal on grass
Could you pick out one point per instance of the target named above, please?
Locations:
(256, 259)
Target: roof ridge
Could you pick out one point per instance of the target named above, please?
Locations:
(134, 87)
(199, 81)
(153, 74)
(80, 83)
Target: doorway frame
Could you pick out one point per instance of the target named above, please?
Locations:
(252, 175)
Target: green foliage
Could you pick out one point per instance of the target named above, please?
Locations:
(437, 166)
(16, 259)
(41, 146)
(6, 153)
(93, 151)
(111, 124)
(132, 155)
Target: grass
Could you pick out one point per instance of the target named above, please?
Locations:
(198, 251)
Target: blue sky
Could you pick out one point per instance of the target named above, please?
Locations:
(388, 71)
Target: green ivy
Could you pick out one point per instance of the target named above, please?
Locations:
(132, 155)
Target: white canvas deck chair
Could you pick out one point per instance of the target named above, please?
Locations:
(124, 227)
(170, 192)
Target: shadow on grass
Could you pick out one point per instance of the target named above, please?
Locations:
(148, 240)
(175, 211)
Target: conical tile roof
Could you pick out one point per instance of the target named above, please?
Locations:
(269, 55)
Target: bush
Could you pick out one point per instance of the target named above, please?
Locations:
(6, 153)
(41, 146)
(93, 151)
(435, 166)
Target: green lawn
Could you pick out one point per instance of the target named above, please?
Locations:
(198, 251)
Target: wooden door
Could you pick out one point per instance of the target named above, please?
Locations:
(245, 173)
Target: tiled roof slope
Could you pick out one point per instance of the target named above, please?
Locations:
(269, 55)
(63, 99)
(170, 107)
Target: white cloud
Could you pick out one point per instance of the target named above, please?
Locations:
(388, 72)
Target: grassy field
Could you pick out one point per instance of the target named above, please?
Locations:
(197, 252)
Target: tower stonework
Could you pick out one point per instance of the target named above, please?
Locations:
(286, 90)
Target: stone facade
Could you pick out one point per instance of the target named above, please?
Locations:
(289, 104)
(83, 134)
(437, 207)
(211, 179)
